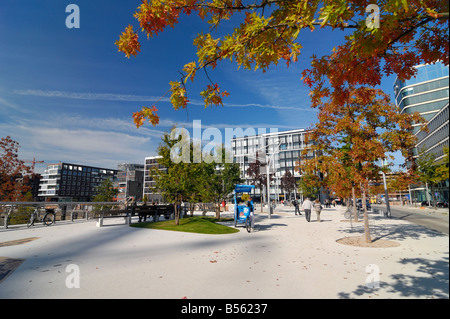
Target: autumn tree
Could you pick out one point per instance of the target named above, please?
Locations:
(400, 182)
(408, 32)
(361, 133)
(12, 172)
(310, 181)
(288, 182)
(338, 177)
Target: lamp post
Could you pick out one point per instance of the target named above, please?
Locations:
(386, 194)
(268, 162)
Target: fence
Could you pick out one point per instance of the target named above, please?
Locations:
(19, 213)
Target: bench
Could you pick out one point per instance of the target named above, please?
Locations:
(152, 210)
(112, 213)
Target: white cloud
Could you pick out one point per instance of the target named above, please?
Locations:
(4, 104)
(273, 93)
(87, 141)
(90, 96)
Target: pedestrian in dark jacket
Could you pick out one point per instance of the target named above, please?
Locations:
(297, 207)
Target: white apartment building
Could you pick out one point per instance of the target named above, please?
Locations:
(50, 180)
(151, 161)
(280, 149)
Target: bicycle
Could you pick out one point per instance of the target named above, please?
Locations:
(47, 220)
(249, 223)
(349, 213)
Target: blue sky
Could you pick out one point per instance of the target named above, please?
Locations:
(68, 94)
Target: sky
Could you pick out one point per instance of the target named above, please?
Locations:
(68, 95)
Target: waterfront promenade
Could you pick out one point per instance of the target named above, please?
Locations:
(285, 257)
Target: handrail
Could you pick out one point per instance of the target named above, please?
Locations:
(61, 203)
(10, 206)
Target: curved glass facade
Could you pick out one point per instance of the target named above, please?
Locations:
(428, 94)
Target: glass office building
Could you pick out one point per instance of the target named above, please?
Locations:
(428, 94)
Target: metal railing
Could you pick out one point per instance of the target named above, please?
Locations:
(18, 213)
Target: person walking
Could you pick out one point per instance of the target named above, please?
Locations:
(307, 206)
(297, 207)
(317, 208)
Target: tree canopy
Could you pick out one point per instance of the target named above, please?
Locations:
(409, 32)
(188, 180)
(352, 139)
(12, 171)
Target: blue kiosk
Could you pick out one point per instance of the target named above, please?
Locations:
(243, 213)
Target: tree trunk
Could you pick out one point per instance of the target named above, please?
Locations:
(218, 210)
(355, 214)
(177, 213)
(433, 197)
(366, 217)
(261, 199)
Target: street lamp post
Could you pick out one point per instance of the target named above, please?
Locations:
(386, 195)
(268, 162)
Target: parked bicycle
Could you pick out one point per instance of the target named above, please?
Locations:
(350, 215)
(47, 220)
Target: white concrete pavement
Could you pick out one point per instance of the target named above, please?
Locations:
(286, 257)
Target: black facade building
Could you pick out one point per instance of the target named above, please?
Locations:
(73, 182)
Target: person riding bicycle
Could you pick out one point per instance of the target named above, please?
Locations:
(251, 207)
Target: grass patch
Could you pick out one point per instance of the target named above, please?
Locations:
(196, 224)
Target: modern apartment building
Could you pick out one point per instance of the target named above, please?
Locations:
(73, 182)
(280, 149)
(428, 94)
(129, 182)
(148, 192)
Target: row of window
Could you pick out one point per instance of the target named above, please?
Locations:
(442, 83)
(435, 123)
(70, 168)
(434, 140)
(256, 141)
(436, 95)
(75, 193)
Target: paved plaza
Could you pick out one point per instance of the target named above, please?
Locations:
(285, 257)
